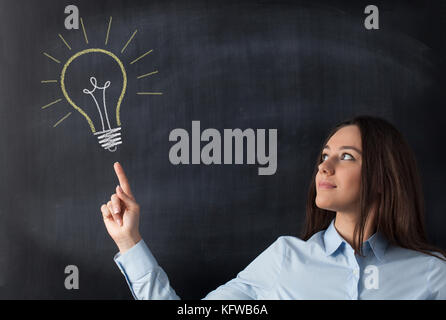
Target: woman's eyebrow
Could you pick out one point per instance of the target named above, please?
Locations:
(346, 147)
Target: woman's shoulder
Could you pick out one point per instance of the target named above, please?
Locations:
(289, 244)
(438, 262)
(290, 241)
(435, 259)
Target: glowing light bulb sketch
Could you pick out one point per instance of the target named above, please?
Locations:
(109, 137)
(108, 129)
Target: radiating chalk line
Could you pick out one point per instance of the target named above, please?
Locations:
(108, 30)
(147, 74)
(85, 33)
(68, 46)
(51, 57)
(122, 51)
(51, 103)
(141, 56)
(66, 116)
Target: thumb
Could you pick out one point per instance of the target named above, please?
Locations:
(129, 202)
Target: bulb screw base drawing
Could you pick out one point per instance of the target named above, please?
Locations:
(109, 139)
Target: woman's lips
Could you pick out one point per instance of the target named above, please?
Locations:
(326, 185)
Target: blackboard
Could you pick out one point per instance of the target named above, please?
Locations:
(296, 66)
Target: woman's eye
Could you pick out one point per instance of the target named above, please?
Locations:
(348, 155)
(342, 157)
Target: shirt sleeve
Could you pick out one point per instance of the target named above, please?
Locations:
(437, 278)
(148, 281)
(257, 279)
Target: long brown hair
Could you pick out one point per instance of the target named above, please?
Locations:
(390, 183)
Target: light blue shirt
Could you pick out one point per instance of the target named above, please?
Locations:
(323, 267)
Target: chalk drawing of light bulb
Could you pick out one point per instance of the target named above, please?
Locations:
(109, 137)
(94, 82)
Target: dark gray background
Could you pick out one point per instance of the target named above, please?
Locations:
(297, 66)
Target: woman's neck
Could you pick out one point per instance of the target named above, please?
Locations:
(345, 225)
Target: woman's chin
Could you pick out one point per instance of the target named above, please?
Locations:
(324, 205)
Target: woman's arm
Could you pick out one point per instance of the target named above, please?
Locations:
(147, 280)
(258, 279)
(121, 218)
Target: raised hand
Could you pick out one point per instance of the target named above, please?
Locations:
(121, 214)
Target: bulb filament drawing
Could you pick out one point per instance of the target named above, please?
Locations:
(111, 137)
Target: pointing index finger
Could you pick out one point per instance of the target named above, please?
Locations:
(122, 179)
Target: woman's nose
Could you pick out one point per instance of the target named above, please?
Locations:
(326, 167)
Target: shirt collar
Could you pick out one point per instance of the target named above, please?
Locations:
(378, 243)
(333, 240)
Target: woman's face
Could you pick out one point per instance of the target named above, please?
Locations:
(340, 171)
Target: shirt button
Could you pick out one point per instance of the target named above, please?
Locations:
(355, 272)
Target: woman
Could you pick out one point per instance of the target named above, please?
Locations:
(364, 235)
